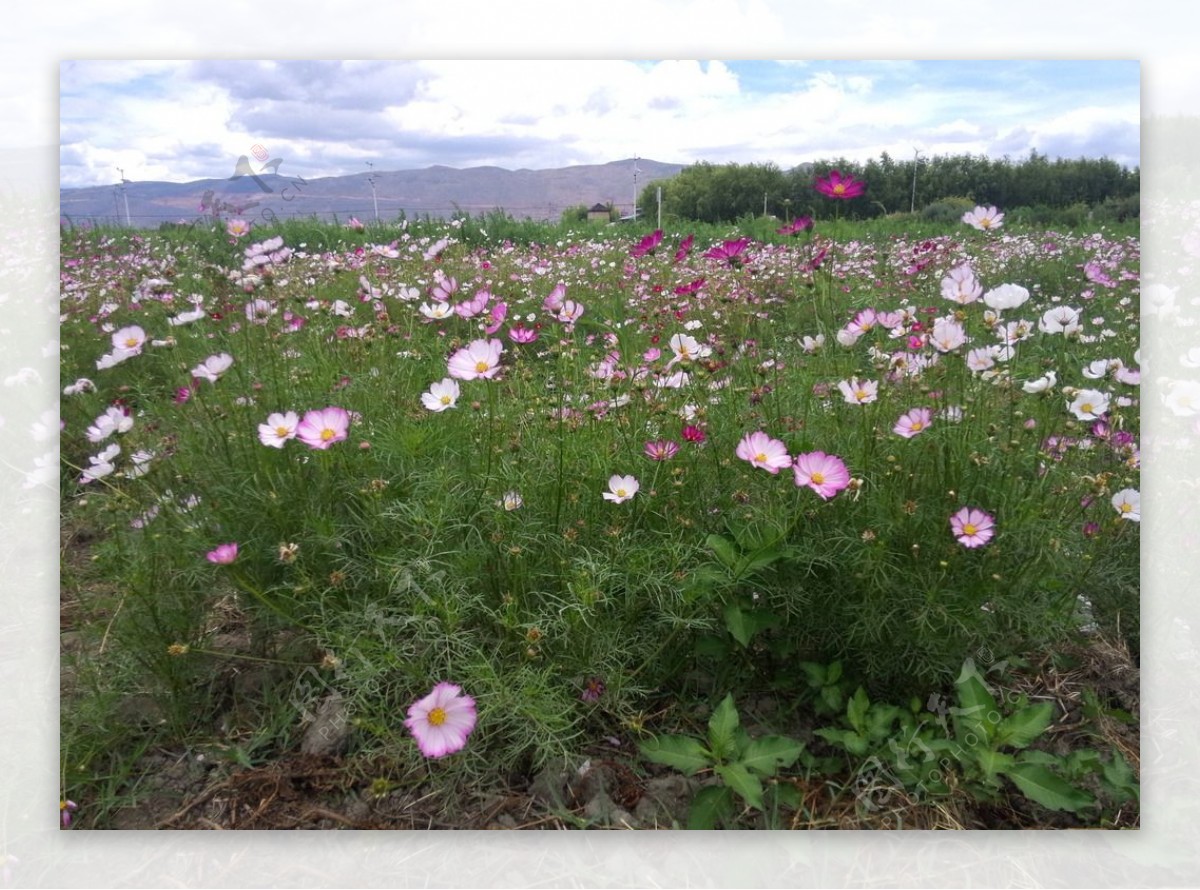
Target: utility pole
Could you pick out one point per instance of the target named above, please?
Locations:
(125, 195)
(912, 207)
(374, 198)
(636, 171)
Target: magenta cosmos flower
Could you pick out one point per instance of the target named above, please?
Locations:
(321, 428)
(731, 252)
(913, 422)
(838, 186)
(825, 474)
(796, 226)
(224, 554)
(972, 527)
(442, 720)
(762, 451)
(480, 358)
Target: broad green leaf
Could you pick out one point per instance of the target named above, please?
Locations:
(1021, 728)
(847, 738)
(710, 805)
(766, 755)
(856, 710)
(724, 549)
(993, 762)
(703, 580)
(832, 696)
(814, 673)
(784, 794)
(1119, 777)
(680, 752)
(745, 783)
(739, 624)
(721, 727)
(760, 560)
(974, 717)
(880, 719)
(1042, 786)
(834, 673)
(1043, 757)
(743, 624)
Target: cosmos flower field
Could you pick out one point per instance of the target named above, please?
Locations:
(509, 498)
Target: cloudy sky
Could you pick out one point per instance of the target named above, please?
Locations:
(180, 121)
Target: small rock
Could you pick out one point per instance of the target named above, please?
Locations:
(329, 732)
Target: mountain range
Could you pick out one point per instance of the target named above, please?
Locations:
(263, 192)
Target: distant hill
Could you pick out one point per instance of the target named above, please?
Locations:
(435, 191)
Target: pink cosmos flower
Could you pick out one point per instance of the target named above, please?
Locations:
(913, 422)
(825, 474)
(947, 335)
(65, 809)
(839, 186)
(569, 312)
(498, 313)
(278, 429)
(521, 334)
(480, 358)
(856, 393)
(972, 527)
(224, 554)
(685, 247)
(693, 433)
(555, 298)
(762, 451)
(662, 449)
(442, 720)
(129, 340)
(320, 429)
(213, 367)
(961, 285)
(237, 228)
(114, 420)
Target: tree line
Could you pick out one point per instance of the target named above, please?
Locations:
(943, 185)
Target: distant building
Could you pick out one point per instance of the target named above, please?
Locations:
(598, 213)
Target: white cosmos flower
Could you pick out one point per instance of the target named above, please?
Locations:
(1128, 504)
(621, 489)
(1060, 320)
(1089, 404)
(1006, 296)
(441, 395)
(1042, 384)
